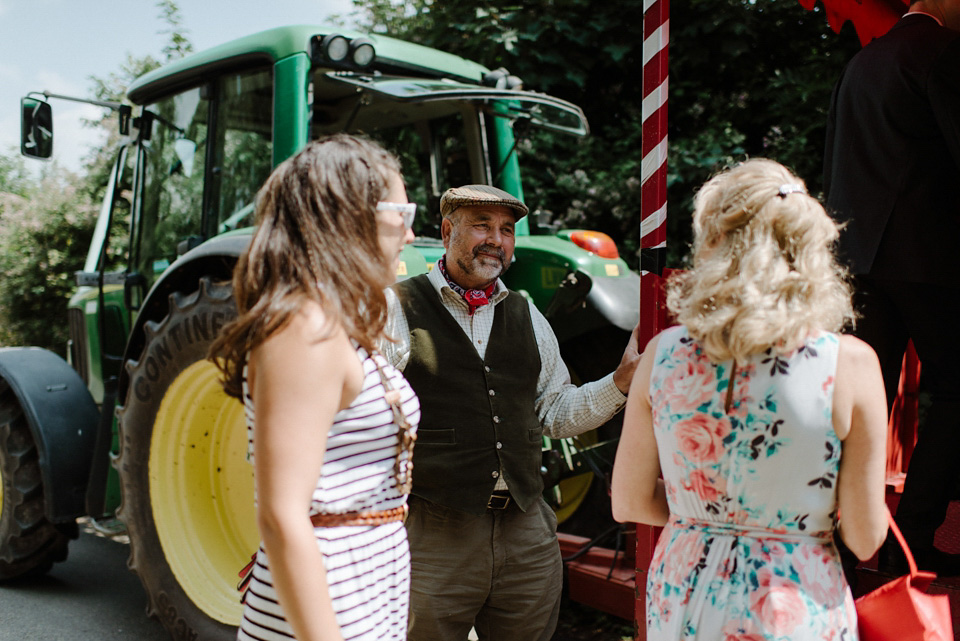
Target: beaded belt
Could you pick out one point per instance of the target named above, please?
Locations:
(359, 518)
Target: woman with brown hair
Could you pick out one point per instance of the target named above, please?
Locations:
(331, 424)
(763, 421)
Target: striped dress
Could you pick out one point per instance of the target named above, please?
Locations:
(368, 567)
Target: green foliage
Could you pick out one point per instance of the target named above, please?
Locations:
(113, 87)
(14, 177)
(747, 78)
(43, 240)
(46, 223)
(179, 45)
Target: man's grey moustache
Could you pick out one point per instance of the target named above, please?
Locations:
(486, 249)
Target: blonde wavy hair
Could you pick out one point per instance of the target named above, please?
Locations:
(764, 274)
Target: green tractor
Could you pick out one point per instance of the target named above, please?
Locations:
(134, 424)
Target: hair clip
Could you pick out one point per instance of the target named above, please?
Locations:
(790, 188)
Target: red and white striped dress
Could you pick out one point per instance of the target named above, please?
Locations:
(368, 567)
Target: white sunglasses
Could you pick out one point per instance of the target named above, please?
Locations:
(408, 210)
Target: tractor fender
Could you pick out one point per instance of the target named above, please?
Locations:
(585, 303)
(63, 420)
(617, 300)
(214, 258)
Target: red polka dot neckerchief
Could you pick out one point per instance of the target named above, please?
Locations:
(475, 298)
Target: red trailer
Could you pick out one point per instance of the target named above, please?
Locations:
(614, 581)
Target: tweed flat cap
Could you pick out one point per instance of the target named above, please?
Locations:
(479, 195)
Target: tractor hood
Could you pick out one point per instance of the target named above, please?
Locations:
(535, 108)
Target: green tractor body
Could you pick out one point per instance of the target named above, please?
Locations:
(135, 424)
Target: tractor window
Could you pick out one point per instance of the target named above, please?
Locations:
(118, 240)
(439, 143)
(434, 157)
(172, 162)
(242, 154)
(209, 150)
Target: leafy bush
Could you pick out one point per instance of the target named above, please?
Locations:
(44, 234)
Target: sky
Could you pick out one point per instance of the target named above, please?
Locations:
(57, 45)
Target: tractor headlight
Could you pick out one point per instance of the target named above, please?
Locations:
(335, 47)
(340, 52)
(362, 52)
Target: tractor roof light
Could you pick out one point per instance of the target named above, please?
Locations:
(362, 52)
(595, 242)
(335, 47)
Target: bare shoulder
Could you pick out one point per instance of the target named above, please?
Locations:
(858, 397)
(640, 386)
(308, 335)
(310, 326)
(651, 346)
(855, 354)
(648, 355)
(308, 354)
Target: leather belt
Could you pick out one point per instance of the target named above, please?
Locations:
(330, 520)
(359, 518)
(499, 500)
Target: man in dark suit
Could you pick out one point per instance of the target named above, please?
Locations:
(892, 172)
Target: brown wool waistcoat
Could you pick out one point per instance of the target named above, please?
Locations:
(470, 405)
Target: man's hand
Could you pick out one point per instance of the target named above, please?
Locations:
(623, 375)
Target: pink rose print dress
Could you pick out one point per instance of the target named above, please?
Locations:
(751, 479)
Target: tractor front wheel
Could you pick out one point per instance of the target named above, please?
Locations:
(29, 543)
(187, 490)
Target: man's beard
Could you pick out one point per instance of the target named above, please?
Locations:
(480, 268)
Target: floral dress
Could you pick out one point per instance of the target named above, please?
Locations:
(751, 481)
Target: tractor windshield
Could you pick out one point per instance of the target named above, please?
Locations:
(442, 130)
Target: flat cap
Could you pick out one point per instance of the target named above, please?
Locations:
(479, 195)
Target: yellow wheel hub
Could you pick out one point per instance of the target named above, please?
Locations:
(201, 490)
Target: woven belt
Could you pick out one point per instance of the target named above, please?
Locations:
(359, 518)
(499, 500)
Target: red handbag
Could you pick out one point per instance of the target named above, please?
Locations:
(901, 610)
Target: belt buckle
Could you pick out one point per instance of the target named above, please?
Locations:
(498, 501)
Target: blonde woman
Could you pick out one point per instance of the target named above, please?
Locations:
(331, 423)
(769, 428)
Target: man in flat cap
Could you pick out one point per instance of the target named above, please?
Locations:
(487, 368)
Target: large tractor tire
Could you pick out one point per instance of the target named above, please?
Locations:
(187, 489)
(29, 543)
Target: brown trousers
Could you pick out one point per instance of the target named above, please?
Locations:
(500, 573)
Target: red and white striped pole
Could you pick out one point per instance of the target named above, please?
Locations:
(653, 191)
(653, 228)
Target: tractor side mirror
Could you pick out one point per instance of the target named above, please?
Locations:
(36, 128)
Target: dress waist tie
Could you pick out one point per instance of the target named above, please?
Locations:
(721, 528)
